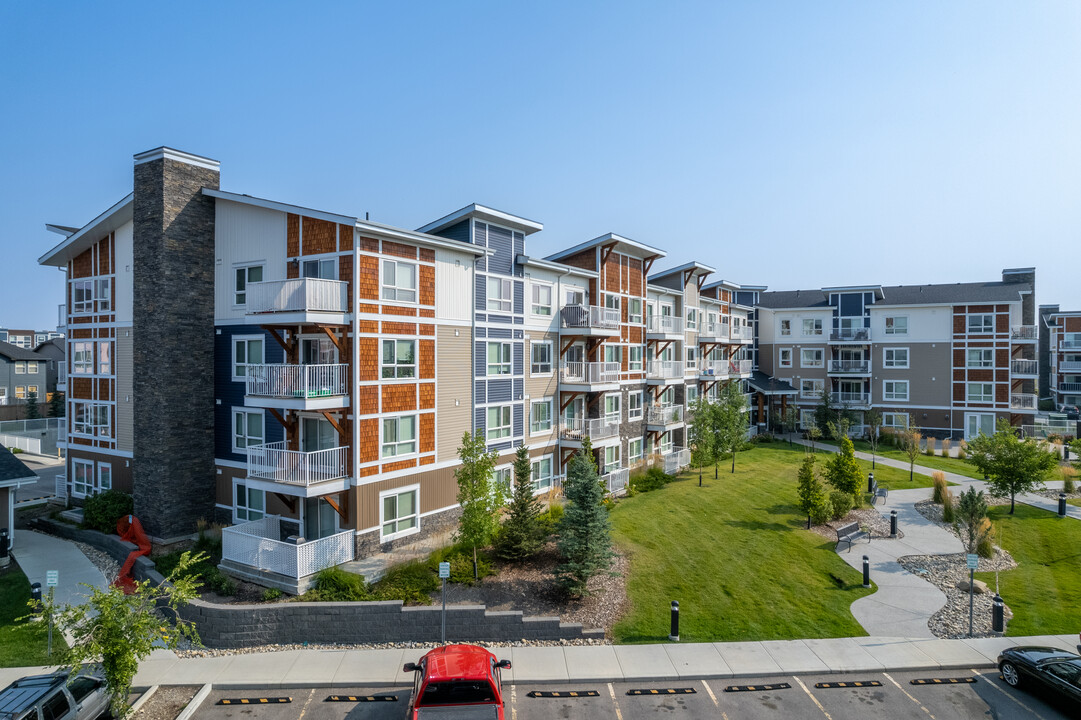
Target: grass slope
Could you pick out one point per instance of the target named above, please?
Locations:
(933, 462)
(1044, 591)
(735, 555)
(22, 643)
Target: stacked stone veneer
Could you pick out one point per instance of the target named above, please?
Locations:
(173, 459)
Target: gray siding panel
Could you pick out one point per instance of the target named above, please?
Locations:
(499, 240)
(516, 426)
(500, 391)
(480, 291)
(480, 387)
(519, 296)
(501, 333)
(516, 356)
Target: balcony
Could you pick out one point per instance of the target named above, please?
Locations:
(661, 417)
(1069, 366)
(591, 376)
(1024, 333)
(590, 320)
(62, 376)
(664, 327)
(1030, 368)
(615, 482)
(274, 468)
(741, 334)
(851, 335)
(851, 399)
(255, 550)
(713, 332)
(1070, 345)
(298, 301)
(850, 367)
(740, 367)
(1022, 402)
(713, 370)
(1069, 387)
(666, 371)
(574, 429)
(675, 460)
(297, 387)
(62, 317)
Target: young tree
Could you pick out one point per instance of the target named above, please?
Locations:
(810, 491)
(479, 496)
(522, 534)
(841, 428)
(585, 530)
(813, 433)
(1012, 465)
(729, 421)
(873, 419)
(700, 435)
(969, 519)
(119, 630)
(910, 446)
(790, 421)
(56, 405)
(842, 470)
(33, 412)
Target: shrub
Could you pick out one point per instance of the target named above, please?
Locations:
(929, 447)
(841, 504)
(271, 594)
(961, 454)
(219, 582)
(652, 479)
(461, 564)
(412, 582)
(947, 507)
(336, 585)
(821, 511)
(1069, 480)
(986, 546)
(946, 447)
(101, 511)
(939, 479)
(16, 451)
(550, 518)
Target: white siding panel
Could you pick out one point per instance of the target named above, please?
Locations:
(925, 324)
(124, 400)
(124, 273)
(453, 285)
(245, 235)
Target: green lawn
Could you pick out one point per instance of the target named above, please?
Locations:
(934, 462)
(736, 556)
(22, 643)
(1074, 501)
(1044, 590)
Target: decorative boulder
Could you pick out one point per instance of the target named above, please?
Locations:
(979, 587)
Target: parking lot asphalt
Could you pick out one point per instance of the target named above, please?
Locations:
(881, 696)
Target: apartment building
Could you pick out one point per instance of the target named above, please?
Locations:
(18, 338)
(1063, 330)
(22, 372)
(950, 359)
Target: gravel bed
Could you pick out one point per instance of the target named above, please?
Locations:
(1053, 494)
(867, 517)
(419, 646)
(102, 561)
(167, 702)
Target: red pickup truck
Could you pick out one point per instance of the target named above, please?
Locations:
(456, 682)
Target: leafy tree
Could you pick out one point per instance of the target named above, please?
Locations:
(810, 491)
(33, 412)
(729, 423)
(841, 428)
(479, 496)
(790, 421)
(873, 420)
(700, 435)
(969, 518)
(842, 470)
(910, 446)
(522, 533)
(813, 433)
(119, 630)
(585, 530)
(56, 405)
(1012, 465)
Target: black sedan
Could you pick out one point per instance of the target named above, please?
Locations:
(1043, 668)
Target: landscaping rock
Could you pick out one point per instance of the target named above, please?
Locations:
(978, 586)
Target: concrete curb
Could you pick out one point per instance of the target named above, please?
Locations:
(196, 701)
(138, 704)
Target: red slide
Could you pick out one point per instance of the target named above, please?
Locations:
(130, 529)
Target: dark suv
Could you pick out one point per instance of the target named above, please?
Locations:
(52, 697)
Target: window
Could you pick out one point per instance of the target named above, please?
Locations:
(503, 477)
(812, 326)
(105, 358)
(82, 296)
(811, 358)
(895, 357)
(692, 357)
(611, 459)
(634, 354)
(247, 350)
(82, 480)
(20, 367)
(786, 327)
(540, 416)
(325, 269)
(613, 354)
(20, 392)
(399, 436)
(245, 276)
(634, 405)
(806, 419)
(634, 310)
(895, 420)
(55, 707)
(784, 358)
(897, 325)
(499, 294)
(895, 390)
(498, 422)
(613, 407)
(82, 358)
(81, 687)
(247, 429)
(541, 358)
(399, 281)
(90, 418)
(981, 324)
(611, 301)
(105, 476)
(400, 513)
(399, 358)
(692, 394)
(692, 319)
(542, 474)
(574, 296)
(980, 393)
(811, 388)
(980, 358)
(104, 295)
(250, 503)
(499, 358)
(32, 390)
(542, 300)
(634, 451)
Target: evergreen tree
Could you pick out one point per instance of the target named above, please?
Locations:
(33, 412)
(810, 491)
(479, 497)
(585, 530)
(842, 470)
(969, 519)
(522, 534)
(56, 405)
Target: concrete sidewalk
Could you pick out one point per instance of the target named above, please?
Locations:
(597, 663)
(37, 553)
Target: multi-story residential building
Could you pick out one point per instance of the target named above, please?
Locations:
(22, 372)
(1064, 357)
(18, 338)
(950, 359)
(55, 352)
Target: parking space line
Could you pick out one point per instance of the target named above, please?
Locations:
(1011, 697)
(713, 697)
(307, 702)
(513, 703)
(909, 696)
(612, 692)
(813, 698)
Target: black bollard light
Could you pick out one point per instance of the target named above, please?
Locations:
(998, 616)
(866, 571)
(674, 635)
(1062, 504)
(35, 592)
(870, 482)
(4, 543)
(893, 523)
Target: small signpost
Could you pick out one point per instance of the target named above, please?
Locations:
(973, 561)
(444, 573)
(52, 577)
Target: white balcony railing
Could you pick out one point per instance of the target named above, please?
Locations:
(592, 373)
(257, 544)
(616, 481)
(1023, 402)
(1070, 345)
(590, 316)
(62, 372)
(1069, 366)
(1069, 387)
(740, 367)
(664, 369)
(667, 324)
(61, 315)
(715, 368)
(851, 335)
(61, 487)
(297, 381)
(713, 330)
(675, 460)
(664, 414)
(298, 295)
(273, 461)
(593, 428)
(850, 366)
(1024, 332)
(1024, 367)
(850, 398)
(741, 333)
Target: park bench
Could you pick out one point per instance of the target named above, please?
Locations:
(877, 492)
(850, 533)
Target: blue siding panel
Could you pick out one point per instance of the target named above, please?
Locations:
(500, 241)
(519, 296)
(480, 291)
(499, 391)
(231, 394)
(480, 239)
(516, 425)
(516, 354)
(481, 332)
(480, 390)
(458, 231)
(500, 333)
(480, 360)
(478, 421)
(519, 389)
(505, 445)
(505, 319)
(519, 249)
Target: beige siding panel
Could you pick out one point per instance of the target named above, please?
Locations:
(438, 489)
(538, 386)
(124, 406)
(454, 368)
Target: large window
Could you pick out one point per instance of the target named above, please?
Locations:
(812, 326)
(498, 422)
(980, 358)
(634, 357)
(399, 436)
(103, 293)
(978, 324)
(692, 357)
(499, 358)
(612, 407)
(896, 390)
(245, 276)
(980, 392)
(82, 296)
(250, 503)
(895, 420)
(611, 459)
(399, 281)
(399, 358)
(806, 419)
(499, 295)
(811, 358)
(82, 358)
(542, 474)
(634, 451)
(90, 419)
(897, 325)
(811, 388)
(247, 350)
(82, 478)
(784, 357)
(247, 429)
(895, 357)
(105, 358)
(400, 513)
(613, 353)
(634, 405)
(786, 327)
(692, 319)
(540, 416)
(692, 394)
(540, 358)
(542, 300)
(634, 310)
(325, 269)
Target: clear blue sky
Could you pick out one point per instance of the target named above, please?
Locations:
(800, 144)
